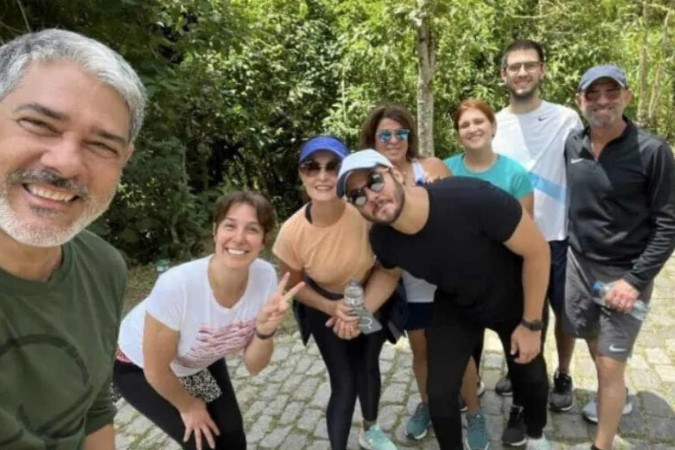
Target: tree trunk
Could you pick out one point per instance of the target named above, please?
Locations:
(643, 72)
(425, 94)
(656, 86)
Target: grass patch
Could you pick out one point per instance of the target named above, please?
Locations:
(141, 281)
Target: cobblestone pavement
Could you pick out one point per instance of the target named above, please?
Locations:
(283, 406)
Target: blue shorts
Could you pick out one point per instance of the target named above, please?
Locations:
(419, 316)
(556, 283)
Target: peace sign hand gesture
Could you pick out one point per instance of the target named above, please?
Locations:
(274, 311)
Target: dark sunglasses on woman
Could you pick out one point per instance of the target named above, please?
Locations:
(312, 168)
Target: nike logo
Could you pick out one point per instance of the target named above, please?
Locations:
(576, 160)
(541, 118)
(614, 349)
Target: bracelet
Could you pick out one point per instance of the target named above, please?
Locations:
(262, 336)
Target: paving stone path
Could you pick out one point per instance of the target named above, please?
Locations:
(283, 406)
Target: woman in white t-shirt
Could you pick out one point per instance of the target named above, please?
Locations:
(170, 365)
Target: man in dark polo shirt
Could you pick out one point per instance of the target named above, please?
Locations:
(490, 265)
(621, 184)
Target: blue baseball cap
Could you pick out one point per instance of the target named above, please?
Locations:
(607, 71)
(364, 159)
(323, 143)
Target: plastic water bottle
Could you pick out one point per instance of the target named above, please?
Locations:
(600, 290)
(354, 298)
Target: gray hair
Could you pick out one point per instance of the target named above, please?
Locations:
(92, 56)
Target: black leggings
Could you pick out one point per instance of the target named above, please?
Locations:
(224, 410)
(354, 370)
(451, 338)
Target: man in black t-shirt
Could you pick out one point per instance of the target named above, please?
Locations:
(489, 263)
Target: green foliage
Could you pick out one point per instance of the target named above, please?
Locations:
(236, 86)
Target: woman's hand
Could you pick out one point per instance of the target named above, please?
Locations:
(274, 311)
(342, 311)
(198, 421)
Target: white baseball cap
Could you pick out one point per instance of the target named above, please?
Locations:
(363, 159)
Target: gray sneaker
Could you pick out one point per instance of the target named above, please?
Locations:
(590, 411)
(514, 433)
(503, 387)
(562, 395)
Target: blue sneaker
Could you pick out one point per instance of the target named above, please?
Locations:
(476, 432)
(375, 439)
(419, 423)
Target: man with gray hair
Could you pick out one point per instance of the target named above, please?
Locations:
(70, 110)
(621, 181)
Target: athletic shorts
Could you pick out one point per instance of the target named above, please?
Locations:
(419, 315)
(616, 332)
(556, 281)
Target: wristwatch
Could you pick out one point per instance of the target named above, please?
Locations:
(535, 325)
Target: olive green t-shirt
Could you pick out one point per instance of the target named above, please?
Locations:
(57, 340)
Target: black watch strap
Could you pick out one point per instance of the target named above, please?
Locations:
(535, 325)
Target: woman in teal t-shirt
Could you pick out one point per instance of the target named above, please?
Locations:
(476, 125)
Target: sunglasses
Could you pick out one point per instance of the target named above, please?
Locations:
(386, 136)
(530, 66)
(375, 183)
(312, 168)
(594, 95)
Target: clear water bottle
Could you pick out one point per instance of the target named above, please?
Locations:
(354, 299)
(600, 290)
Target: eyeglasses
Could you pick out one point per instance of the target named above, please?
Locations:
(530, 66)
(375, 183)
(386, 136)
(594, 95)
(312, 168)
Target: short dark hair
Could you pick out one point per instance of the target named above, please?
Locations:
(261, 204)
(393, 112)
(473, 103)
(523, 44)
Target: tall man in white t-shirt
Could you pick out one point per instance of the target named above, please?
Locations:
(533, 132)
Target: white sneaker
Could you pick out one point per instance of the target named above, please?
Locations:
(375, 439)
(538, 444)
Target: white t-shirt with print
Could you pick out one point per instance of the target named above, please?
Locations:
(182, 299)
(537, 141)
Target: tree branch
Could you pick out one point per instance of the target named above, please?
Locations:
(23, 14)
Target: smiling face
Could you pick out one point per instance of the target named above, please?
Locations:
(475, 130)
(395, 148)
(64, 140)
(383, 206)
(523, 73)
(603, 103)
(239, 237)
(320, 184)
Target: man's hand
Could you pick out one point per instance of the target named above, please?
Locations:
(526, 343)
(621, 297)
